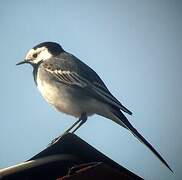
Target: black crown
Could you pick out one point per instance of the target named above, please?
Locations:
(53, 47)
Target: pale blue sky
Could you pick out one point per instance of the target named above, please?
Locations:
(135, 47)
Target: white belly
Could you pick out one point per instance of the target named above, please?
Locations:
(66, 103)
(53, 95)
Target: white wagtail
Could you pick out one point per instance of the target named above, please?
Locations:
(74, 88)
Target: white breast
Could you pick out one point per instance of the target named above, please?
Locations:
(60, 98)
(47, 91)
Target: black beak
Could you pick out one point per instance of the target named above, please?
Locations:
(22, 62)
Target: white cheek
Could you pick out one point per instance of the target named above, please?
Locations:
(45, 54)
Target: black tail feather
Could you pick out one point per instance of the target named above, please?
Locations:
(124, 121)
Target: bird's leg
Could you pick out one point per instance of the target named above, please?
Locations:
(67, 131)
(83, 119)
(70, 128)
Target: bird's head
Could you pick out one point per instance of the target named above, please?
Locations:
(42, 52)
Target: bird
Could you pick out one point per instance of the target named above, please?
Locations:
(72, 87)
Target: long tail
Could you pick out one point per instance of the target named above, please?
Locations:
(123, 121)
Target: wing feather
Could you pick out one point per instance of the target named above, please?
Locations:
(96, 88)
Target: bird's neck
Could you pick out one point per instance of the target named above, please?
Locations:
(35, 70)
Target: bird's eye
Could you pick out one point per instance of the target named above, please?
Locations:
(35, 55)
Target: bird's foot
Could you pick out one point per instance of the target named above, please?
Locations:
(55, 140)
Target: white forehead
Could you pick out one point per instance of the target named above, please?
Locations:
(42, 51)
